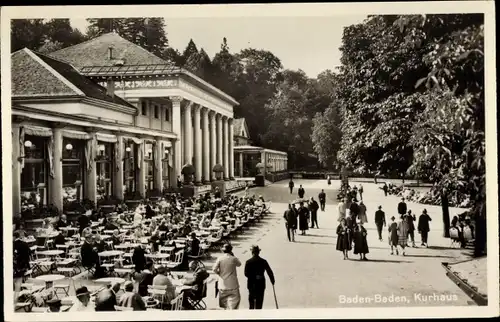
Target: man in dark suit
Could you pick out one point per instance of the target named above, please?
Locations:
(196, 292)
(106, 299)
(290, 223)
(291, 185)
(301, 192)
(380, 221)
(193, 245)
(313, 208)
(83, 221)
(90, 258)
(21, 262)
(402, 208)
(139, 258)
(322, 199)
(256, 283)
(62, 222)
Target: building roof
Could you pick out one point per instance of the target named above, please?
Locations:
(95, 52)
(37, 75)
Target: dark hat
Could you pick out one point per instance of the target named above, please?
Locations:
(54, 302)
(255, 248)
(82, 291)
(392, 218)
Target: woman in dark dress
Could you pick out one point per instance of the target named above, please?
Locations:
(303, 220)
(343, 238)
(360, 242)
(393, 235)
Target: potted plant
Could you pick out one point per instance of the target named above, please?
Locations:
(187, 172)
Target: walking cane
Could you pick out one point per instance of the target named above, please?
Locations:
(275, 300)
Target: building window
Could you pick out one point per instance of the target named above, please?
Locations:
(34, 174)
(72, 166)
(157, 111)
(104, 168)
(167, 115)
(149, 165)
(129, 167)
(144, 108)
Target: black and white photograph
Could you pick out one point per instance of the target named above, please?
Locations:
(330, 158)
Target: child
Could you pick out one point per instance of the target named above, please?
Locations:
(393, 235)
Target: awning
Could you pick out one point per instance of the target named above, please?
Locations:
(37, 130)
(77, 135)
(110, 138)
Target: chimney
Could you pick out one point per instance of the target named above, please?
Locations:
(110, 87)
(110, 53)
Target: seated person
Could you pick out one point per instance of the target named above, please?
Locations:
(145, 278)
(139, 258)
(162, 279)
(116, 239)
(131, 299)
(99, 244)
(62, 222)
(60, 239)
(89, 255)
(150, 213)
(106, 299)
(196, 291)
(110, 225)
(83, 222)
(193, 245)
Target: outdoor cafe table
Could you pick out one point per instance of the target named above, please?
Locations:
(110, 280)
(110, 253)
(51, 253)
(126, 246)
(50, 279)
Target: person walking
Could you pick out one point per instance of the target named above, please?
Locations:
(393, 235)
(360, 190)
(411, 225)
(385, 188)
(402, 229)
(424, 227)
(256, 281)
(290, 223)
(301, 192)
(362, 212)
(303, 218)
(322, 199)
(228, 286)
(342, 207)
(380, 221)
(313, 209)
(329, 180)
(291, 185)
(354, 209)
(360, 242)
(343, 238)
(402, 207)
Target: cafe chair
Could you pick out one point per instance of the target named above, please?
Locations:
(199, 303)
(176, 304)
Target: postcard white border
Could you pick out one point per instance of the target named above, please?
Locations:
(269, 10)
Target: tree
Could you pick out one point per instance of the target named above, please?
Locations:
(60, 31)
(99, 26)
(190, 50)
(326, 135)
(50, 46)
(172, 55)
(29, 33)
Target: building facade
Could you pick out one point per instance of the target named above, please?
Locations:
(106, 118)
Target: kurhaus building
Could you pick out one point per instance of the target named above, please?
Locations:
(107, 118)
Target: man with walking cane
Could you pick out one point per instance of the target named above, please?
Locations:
(254, 271)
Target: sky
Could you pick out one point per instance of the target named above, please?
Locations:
(307, 43)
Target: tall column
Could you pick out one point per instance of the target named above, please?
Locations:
(263, 160)
(177, 144)
(197, 146)
(241, 164)
(91, 171)
(231, 149)
(16, 169)
(225, 150)
(56, 182)
(206, 147)
(188, 128)
(141, 182)
(158, 169)
(118, 168)
(213, 144)
(219, 139)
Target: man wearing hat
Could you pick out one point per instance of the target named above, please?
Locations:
(256, 283)
(380, 221)
(227, 284)
(54, 305)
(131, 299)
(83, 303)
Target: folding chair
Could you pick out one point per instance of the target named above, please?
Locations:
(176, 304)
(158, 292)
(199, 303)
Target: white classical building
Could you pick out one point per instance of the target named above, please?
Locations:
(108, 118)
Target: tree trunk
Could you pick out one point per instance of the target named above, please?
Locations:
(480, 234)
(446, 215)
